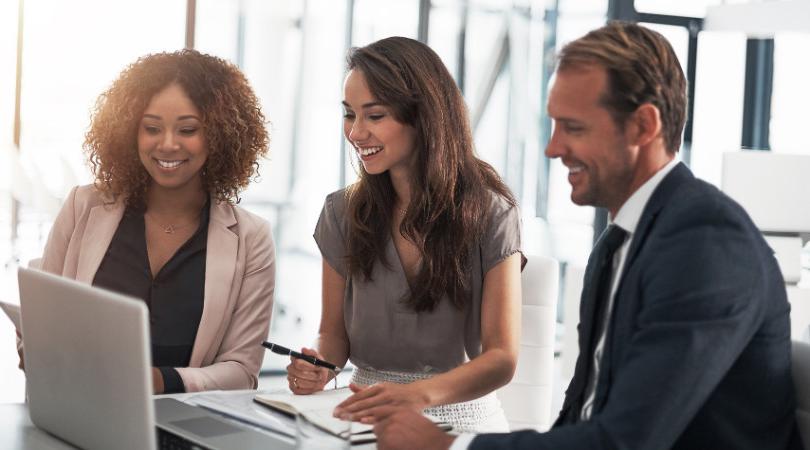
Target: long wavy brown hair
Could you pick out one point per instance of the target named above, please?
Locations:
(232, 120)
(451, 189)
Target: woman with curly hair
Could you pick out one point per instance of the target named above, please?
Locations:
(171, 144)
(421, 256)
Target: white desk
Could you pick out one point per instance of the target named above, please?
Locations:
(19, 433)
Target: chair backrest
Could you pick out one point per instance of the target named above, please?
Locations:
(572, 292)
(799, 298)
(775, 206)
(800, 360)
(527, 398)
(773, 202)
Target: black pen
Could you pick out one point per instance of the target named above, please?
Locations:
(275, 348)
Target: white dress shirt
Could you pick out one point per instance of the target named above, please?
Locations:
(627, 219)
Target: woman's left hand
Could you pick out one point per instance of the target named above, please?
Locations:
(370, 404)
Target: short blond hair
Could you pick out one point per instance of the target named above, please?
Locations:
(642, 68)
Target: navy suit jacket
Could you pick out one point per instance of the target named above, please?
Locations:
(697, 355)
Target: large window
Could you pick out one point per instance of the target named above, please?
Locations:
(71, 51)
(8, 55)
(293, 53)
(571, 226)
(688, 8)
(718, 102)
(790, 93)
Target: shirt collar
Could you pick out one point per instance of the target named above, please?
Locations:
(630, 213)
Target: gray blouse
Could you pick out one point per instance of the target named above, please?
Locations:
(384, 334)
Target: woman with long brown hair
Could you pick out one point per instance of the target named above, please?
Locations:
(421, 256)
(171, 143)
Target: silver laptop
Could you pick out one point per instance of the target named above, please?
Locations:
(88, 369)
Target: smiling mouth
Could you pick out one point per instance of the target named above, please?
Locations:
(169, 164)
(368, 151)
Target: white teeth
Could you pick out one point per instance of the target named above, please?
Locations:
(168, 164)
(575, 169)
(369, 150)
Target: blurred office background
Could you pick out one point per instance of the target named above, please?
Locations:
(748, 92)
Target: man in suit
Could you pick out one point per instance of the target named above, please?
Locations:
(684, 324)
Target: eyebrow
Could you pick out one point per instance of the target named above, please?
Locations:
(365, 105)
(568, 120)
(156, 117)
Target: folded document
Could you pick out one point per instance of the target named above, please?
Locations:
(239, 405)
(317, 408)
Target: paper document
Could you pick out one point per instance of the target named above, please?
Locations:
(318, 407)
(239, 405)
(13, 313)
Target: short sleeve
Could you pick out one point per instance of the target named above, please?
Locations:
(329, 232)
(502, 235)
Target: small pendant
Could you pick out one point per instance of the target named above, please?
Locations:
(168, 229)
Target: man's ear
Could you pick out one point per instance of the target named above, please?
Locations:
(647, 124)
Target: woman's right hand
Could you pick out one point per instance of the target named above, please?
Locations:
(305, 378)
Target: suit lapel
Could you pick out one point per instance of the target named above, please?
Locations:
(675, 178)
(679, 175)
(103, 221)
(220, 264)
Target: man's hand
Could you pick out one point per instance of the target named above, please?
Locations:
(406, 429)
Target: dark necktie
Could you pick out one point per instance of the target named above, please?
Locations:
(593, 308)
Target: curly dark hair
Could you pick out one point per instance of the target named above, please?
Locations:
(232, 120)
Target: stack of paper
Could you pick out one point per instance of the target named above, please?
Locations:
(239, 405)
(275, 411)
(316, 408)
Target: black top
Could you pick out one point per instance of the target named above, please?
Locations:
(174, 296)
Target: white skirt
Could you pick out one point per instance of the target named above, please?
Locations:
(482, 415)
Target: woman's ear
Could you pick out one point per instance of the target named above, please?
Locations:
(647, 121)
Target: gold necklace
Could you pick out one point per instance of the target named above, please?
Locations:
(170, 228)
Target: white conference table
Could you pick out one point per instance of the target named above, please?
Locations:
(17, 432)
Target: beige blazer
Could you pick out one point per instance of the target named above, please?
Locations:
(239, 282)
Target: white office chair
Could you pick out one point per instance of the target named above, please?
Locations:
(572, 293)
(800, 358)
(799, 299)
(526, 399)
(775, 203)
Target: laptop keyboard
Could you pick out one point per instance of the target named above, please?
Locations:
(170, 441)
